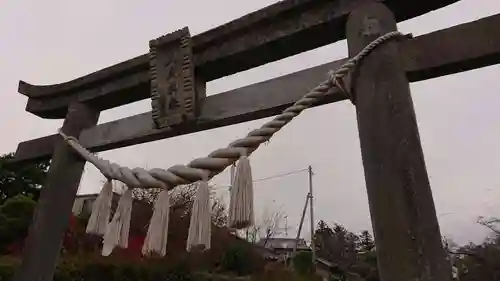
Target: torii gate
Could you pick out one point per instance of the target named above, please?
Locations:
(406, 229)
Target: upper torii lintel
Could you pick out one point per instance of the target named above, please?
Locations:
(241, 44)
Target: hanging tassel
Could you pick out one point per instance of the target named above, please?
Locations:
(241, 202)
(201, 219)
(156, 239)
(99, 217)
(118, 230)
(231, 174)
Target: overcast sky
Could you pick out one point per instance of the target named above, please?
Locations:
(46, 42)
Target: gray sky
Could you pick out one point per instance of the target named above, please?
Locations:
(46, 42)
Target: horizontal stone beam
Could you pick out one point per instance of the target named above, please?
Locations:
(456, 49)
(244, 104)
(460, 48)
(272, 33)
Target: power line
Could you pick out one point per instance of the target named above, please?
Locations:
(281, 175)
(267, 178)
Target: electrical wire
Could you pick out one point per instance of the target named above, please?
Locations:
(217, 187)
(281, 175)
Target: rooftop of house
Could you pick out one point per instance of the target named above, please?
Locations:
(141, 213)
(282, 243)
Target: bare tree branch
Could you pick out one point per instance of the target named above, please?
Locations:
(271, 225)
(490, 223)
(219, 212)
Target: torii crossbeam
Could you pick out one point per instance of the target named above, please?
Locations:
(405, 224)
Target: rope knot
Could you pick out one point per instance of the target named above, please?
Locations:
(338, 80)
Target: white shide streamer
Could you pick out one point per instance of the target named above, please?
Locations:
(118, 230)
(201, 219)
(241, 202)
(99, 218)
(156, 239)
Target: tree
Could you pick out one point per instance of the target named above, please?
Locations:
(25, 179)
(20, 186)
(366, 243)
(302, 262)
(147, 195)
(219, 213)
(271, 225)
(336, 244)
(352, 255)
(490, 223)
(15, 218)
(181, 201)
(235, 259)
(366, 264)
(477, 261)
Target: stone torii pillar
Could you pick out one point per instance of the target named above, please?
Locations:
(406, 228)
(52, 214)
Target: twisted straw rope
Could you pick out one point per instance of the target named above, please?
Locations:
(207, 167)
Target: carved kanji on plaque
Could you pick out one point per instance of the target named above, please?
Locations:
(173, 94)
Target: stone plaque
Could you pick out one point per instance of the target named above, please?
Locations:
(173, 94)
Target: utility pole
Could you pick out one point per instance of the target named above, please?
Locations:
(286, 226)
(313, 246)
(300, 225)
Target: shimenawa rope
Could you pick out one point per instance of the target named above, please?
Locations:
(207, 167)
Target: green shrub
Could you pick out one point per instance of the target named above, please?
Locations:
(230, 259)
(15, 218)
(234, 260)
(241, 260)
(7, 268)
(110, 270)
(302, 263)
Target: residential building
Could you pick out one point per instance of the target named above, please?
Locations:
(283, 247)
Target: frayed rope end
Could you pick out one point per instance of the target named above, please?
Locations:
(156, 239)
(241, 214)
(99, 218)
(118, 230)
(199, 234)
